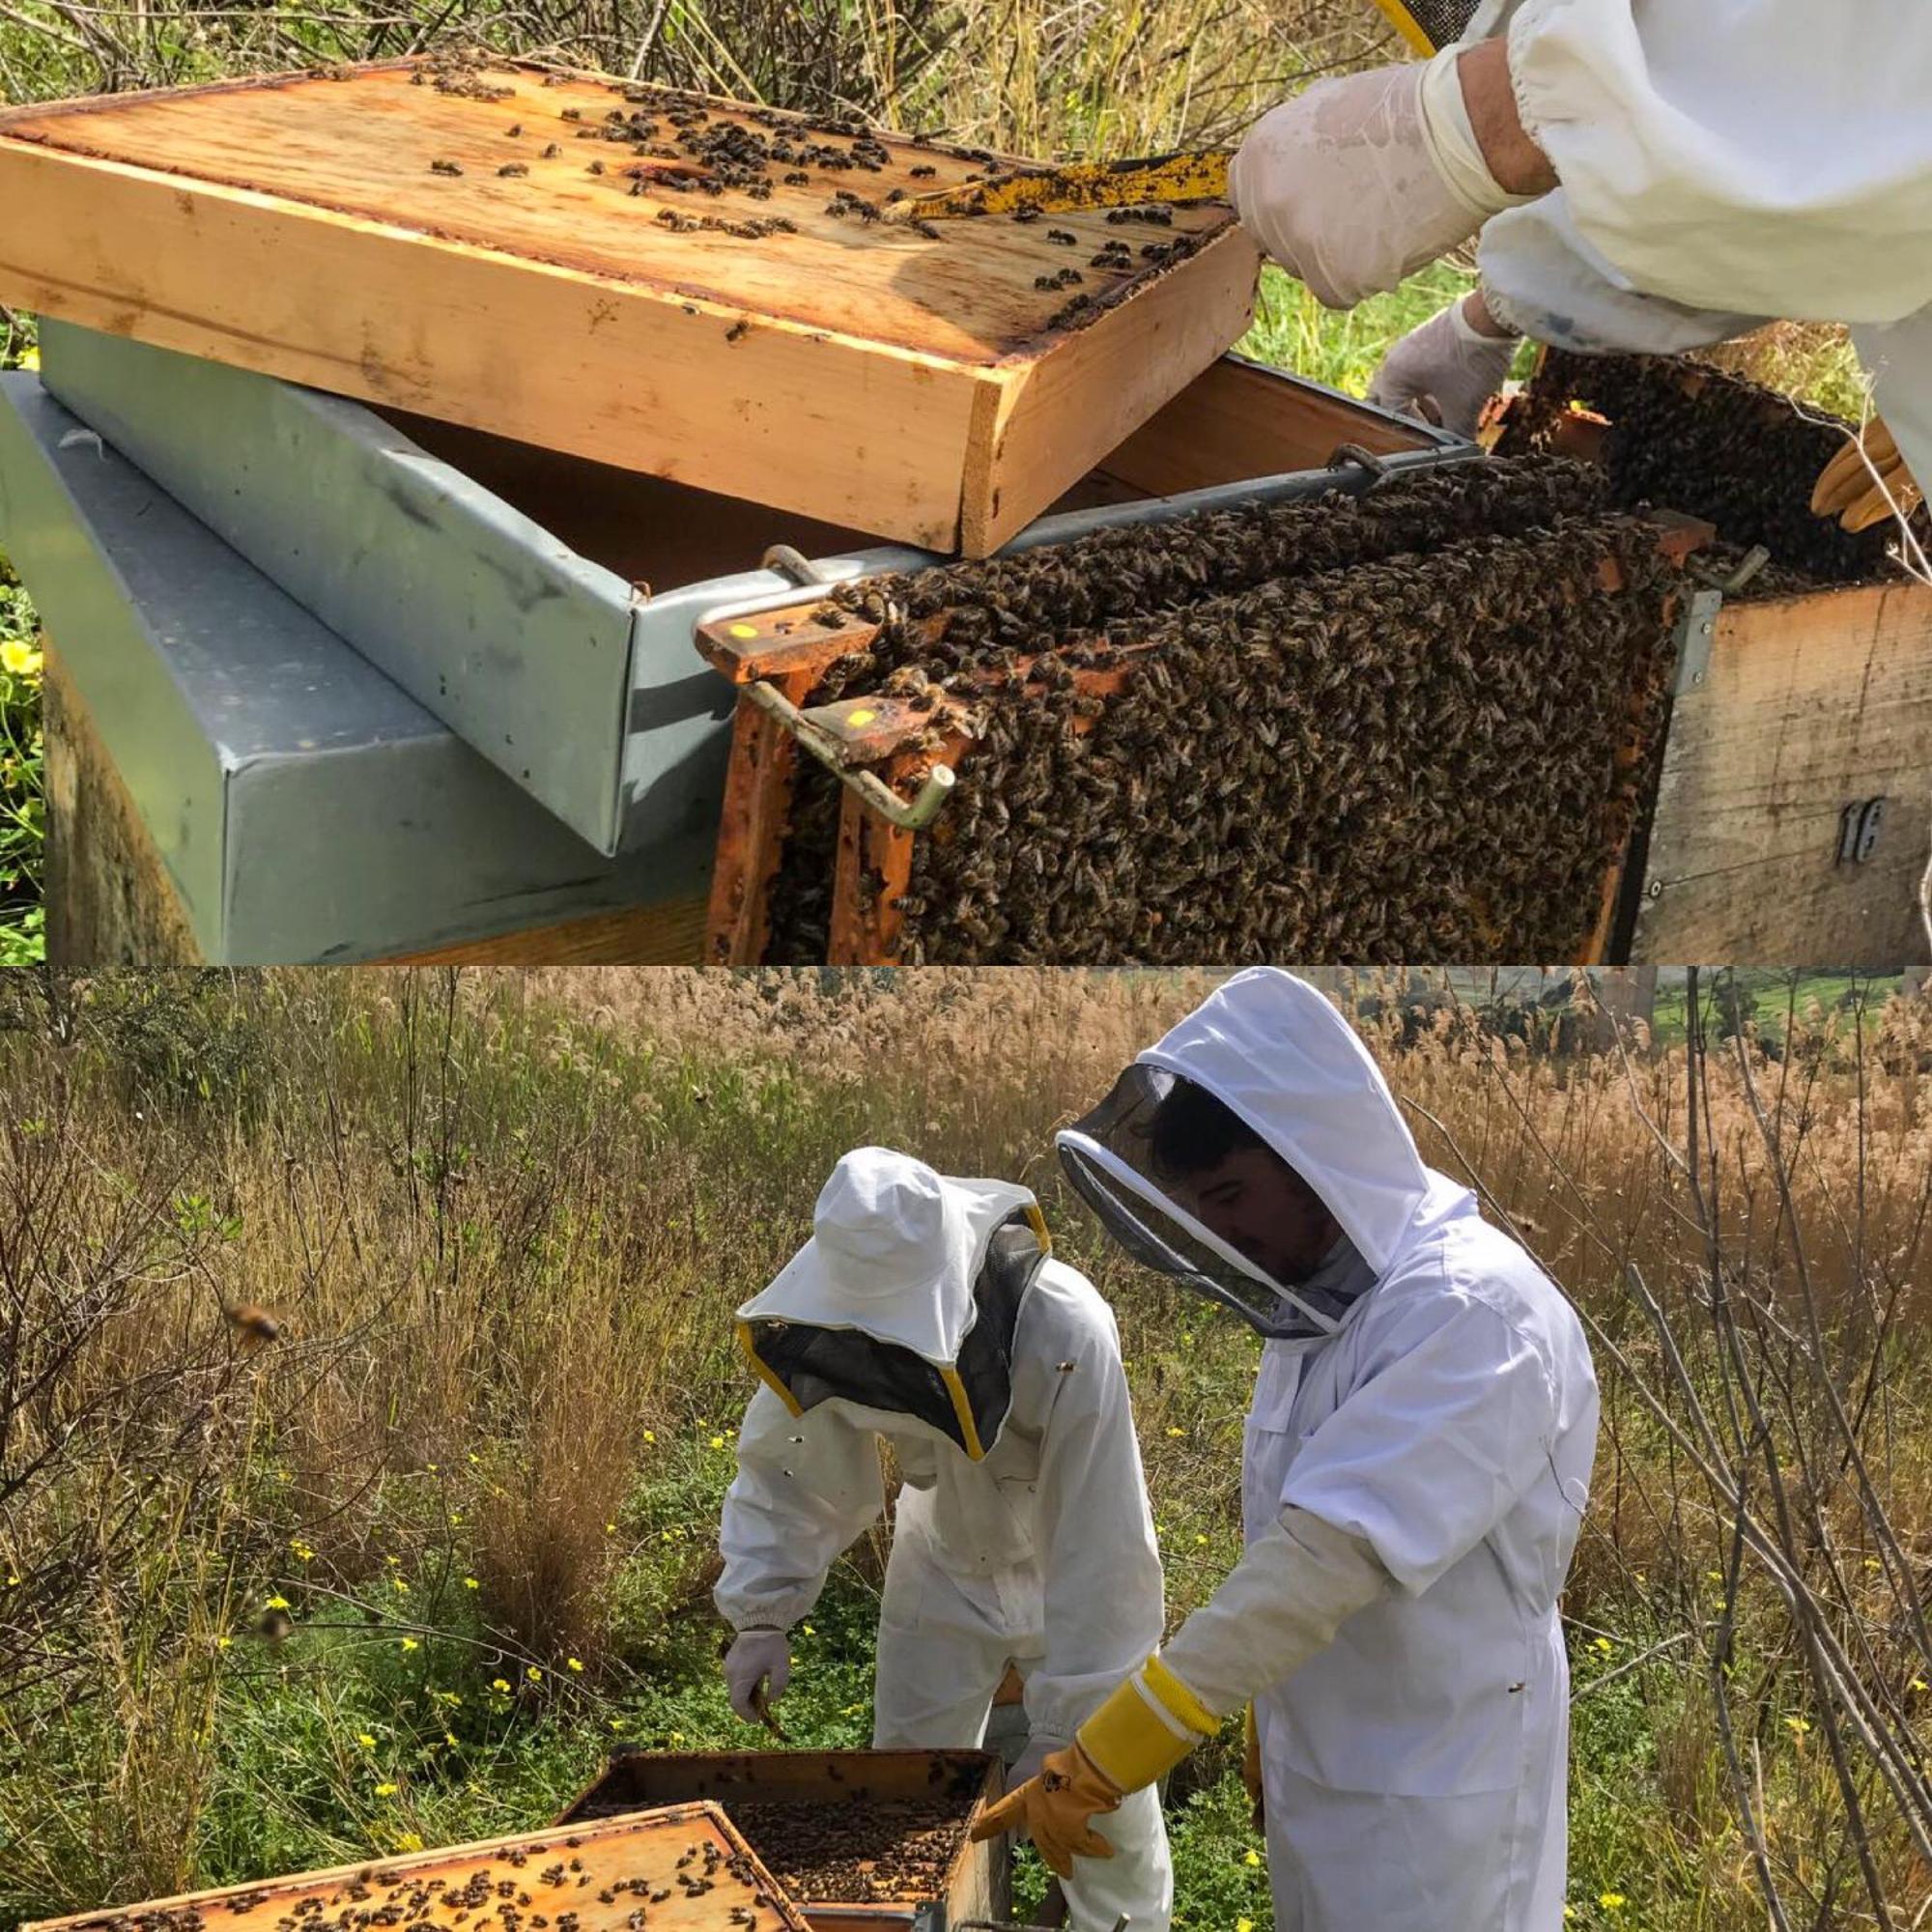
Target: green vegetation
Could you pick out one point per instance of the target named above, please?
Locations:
(22, 818)
(502, 1221)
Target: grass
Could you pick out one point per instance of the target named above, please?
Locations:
(502, 1219)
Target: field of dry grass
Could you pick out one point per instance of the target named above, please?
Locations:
(501, 1221)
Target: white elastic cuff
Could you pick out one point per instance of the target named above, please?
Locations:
(1466, 331)
(1452, 139)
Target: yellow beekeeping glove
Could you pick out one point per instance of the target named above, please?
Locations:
(1137, 1735)
(1854, 485)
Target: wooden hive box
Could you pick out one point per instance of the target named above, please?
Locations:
(975, 1886)
(682, 1868)
(535, 253)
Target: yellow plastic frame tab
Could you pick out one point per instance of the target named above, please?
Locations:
(757, 1365)
(1036, 1221)
(962, 1409)
(1408, 26)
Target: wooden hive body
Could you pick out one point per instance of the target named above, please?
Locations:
(916, 387)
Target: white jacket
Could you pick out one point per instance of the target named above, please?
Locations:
(1056, 1514)
(1724, 161)
(1449, 1424)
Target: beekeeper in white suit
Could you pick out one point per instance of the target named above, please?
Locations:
(1416, 1466)
(928, 1312)
(1646, 175)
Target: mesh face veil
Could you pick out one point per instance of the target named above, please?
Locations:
(965, 1401)
(1108, 1156)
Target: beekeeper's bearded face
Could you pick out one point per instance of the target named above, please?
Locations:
(1222, 1172)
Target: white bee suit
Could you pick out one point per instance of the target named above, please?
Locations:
(1415, 1767)
(1725, 162)
(1043, 1552)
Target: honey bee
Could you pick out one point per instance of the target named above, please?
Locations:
(443, 167)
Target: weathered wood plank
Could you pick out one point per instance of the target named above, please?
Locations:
(655, 935)
(1237, 420)
(1809, 704)
(109, 899)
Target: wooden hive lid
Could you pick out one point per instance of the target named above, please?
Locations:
(355, 229)
(684, 1866)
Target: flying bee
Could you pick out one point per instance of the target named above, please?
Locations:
(253, 1325)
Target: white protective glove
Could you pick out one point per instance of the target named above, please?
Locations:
(1360, 180)
(757, 1656)
(1449, 360)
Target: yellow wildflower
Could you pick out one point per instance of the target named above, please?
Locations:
(1603, 1644)
(408, 1841)
(573, 1664)
(1611, 1901)
(224, 1643)
(500, 1684)
(276, 1604)
(650, 1436)
(386, 1791)
(1252, 1857)
(410, 1643)
(30, 358)
(718, 1442)
(363, 1739)
(534, 1674)
(471, 1583)
(1176, 1432)
(1797, 1726)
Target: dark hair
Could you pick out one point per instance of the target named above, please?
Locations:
(1192, 1131)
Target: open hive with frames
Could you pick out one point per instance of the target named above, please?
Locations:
(1714, 444)
(1417, 722)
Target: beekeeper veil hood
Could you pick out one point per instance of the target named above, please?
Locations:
(905, 1299)
(1280, 1058)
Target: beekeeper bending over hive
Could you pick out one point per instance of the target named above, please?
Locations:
(1646, 175)
(1416, 1464)
(927, 1311)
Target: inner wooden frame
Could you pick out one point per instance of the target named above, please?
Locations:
(295, 227)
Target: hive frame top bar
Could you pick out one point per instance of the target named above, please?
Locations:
(239, 1904)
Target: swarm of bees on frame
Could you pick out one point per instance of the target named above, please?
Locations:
(1406, 725)
(1716, 446)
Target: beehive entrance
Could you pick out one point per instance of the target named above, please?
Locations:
(1417, 723)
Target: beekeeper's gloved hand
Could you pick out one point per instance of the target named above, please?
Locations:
(757, 1657)
(1866, 481)
(1149, 1724)
(1451, 359)
(1361, 181)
